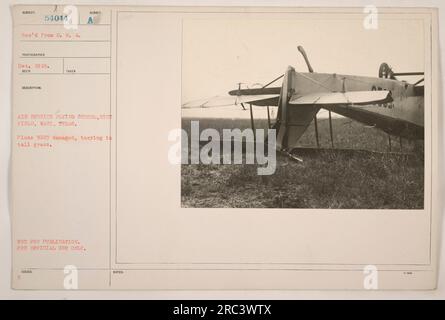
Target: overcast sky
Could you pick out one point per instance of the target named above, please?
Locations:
(218, 53)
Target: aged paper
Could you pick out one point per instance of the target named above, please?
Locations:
(111, 190)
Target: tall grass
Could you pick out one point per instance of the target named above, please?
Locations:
(325, 179)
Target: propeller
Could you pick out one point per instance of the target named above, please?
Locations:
(303, 53)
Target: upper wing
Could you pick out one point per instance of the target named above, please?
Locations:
(348, 98)
(222, 101)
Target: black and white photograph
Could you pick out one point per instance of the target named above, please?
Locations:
(309, 111)
(228, 150)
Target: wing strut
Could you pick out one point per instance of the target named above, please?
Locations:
(252, 123)
(274, 80)
(268, 118)
(316, 131)
(418, 82)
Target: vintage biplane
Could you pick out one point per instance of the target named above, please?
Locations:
(384, 102)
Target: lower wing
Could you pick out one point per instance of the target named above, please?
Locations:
(223, 101)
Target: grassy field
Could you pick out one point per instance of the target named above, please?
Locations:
(370, 177)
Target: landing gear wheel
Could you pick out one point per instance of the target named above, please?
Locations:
(385, 71)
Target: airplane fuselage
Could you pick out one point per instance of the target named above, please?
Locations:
(403, 116)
